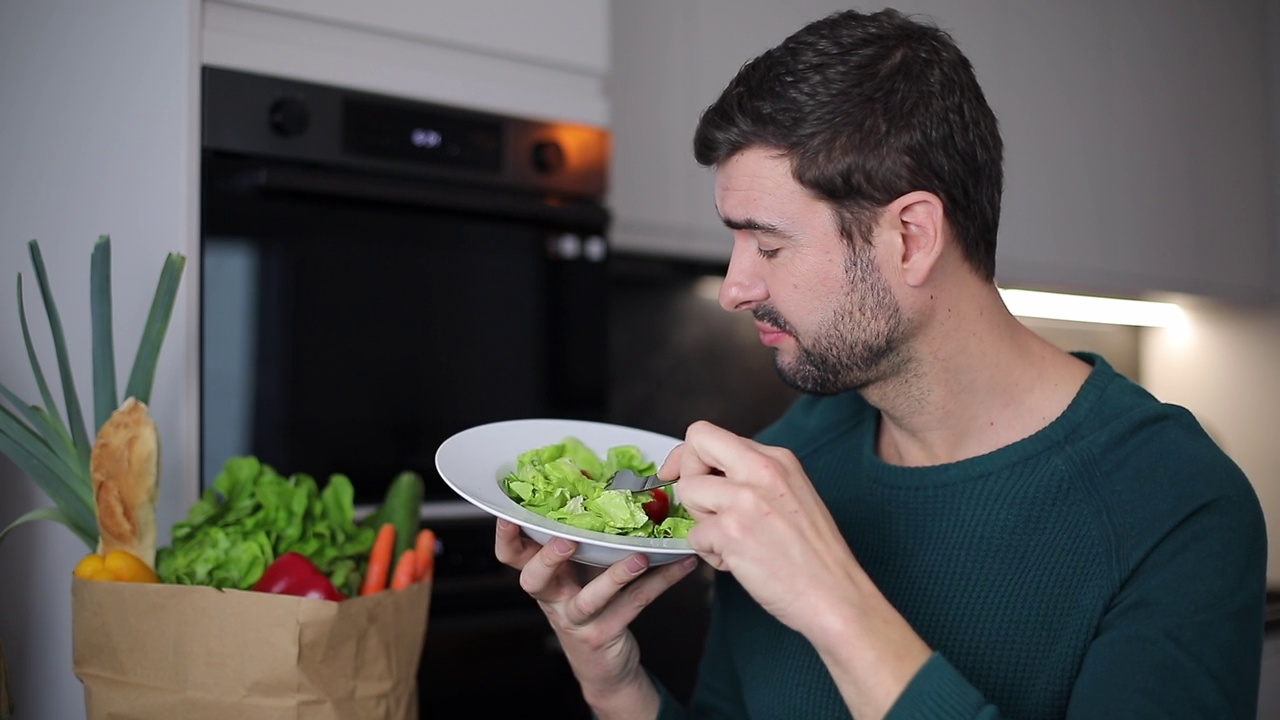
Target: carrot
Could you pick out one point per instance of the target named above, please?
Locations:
(406, 569)
(426, 553)
(375, 578)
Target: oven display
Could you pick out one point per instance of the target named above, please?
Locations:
(394, 132)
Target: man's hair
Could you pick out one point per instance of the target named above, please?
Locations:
(867, 108)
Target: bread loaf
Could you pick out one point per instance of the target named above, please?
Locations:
(125, 467)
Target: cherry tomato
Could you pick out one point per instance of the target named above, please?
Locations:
(658, 507)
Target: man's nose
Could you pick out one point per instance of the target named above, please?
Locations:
(742, 287)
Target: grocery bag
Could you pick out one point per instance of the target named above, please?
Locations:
(146, 650)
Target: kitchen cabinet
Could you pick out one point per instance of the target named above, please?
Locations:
(544, 60)
(1138, 149)
(671, 58)
(566, 32)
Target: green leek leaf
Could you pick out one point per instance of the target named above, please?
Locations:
(14, 430)
(144, 365)
(55, 436)
(79, 509)
(49, 513)
(35, 361)
(64, 446)
(75, 419)
(105, 401)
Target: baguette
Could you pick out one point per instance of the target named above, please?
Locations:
(125, 468)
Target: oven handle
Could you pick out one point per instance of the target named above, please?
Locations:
(404, 192)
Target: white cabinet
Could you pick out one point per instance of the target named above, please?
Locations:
(543, 60)
(572, 33)
(1138, 149)
(1138, 146)
(671, 58)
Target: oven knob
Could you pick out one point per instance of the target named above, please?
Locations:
(594, 249)
(288, 116)
(548, 157)
(566, 247)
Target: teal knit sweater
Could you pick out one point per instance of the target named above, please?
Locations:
(1110, 566)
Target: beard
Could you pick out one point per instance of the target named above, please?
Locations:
(860, 341)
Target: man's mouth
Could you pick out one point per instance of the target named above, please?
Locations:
(770, 335)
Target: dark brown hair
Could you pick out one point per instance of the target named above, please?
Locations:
(867, 108)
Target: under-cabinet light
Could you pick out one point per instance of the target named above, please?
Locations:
(1085, 308)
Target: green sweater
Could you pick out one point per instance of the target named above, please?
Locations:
(1110, 566)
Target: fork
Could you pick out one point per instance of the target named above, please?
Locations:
(626, 479)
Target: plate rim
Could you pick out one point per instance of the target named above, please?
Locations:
(513, 512)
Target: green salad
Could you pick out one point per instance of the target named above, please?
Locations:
(566, 481)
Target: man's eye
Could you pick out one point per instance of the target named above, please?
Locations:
(767, 253)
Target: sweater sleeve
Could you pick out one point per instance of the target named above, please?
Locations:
(938, 691)
(1183, 637)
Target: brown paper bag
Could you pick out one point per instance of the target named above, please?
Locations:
(152, 651)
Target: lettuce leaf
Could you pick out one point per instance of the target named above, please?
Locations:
(566, 481)
(252, 515)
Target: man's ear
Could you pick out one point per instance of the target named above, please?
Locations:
(922, 225)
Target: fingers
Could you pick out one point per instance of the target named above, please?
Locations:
(511, 546)
(614, 601)
(627, 587)
(670, 467)
(546, 575)
(712, 450)
(616, 595)
(707, 450)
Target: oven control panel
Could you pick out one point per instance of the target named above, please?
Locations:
(263, 115)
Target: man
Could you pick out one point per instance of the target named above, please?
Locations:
(958, 519)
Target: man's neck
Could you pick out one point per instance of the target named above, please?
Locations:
(973, 385)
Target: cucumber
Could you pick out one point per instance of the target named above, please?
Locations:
(401, 508)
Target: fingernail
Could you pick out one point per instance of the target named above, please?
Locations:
(562, 546)
(689, 563)
(636, 564)
(503, 524)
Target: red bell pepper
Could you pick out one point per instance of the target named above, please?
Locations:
(294, 574)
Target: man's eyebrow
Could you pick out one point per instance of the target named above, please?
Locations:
(756, 226)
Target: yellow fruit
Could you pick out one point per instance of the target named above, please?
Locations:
(102, 574)
(127, 567)
(88, 565)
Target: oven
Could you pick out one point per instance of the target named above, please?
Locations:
(378, 274)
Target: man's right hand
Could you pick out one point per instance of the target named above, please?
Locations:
(591, 620)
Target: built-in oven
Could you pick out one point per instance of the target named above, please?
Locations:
(378, 274)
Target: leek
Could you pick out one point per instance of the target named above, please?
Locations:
(52, 448)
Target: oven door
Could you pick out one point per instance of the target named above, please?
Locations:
(351, 323)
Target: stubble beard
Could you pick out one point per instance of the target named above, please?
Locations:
(861, 342)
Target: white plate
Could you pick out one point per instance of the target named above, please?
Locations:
(474, 461)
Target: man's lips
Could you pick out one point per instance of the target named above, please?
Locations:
(770, 335)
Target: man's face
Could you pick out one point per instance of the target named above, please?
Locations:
(826, 309)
